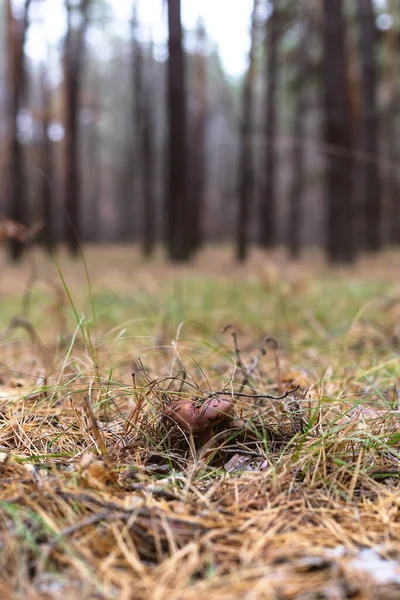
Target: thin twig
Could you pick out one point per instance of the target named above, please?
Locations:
(91, 520)
(275, 347)
(261, 352)
(183, 381)
(95, 429)
(235, 345)
(255, 396)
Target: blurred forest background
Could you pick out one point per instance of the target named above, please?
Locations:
(118, 128)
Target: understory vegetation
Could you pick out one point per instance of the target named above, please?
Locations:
(231, 432)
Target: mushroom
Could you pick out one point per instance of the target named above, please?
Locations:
(193, 416)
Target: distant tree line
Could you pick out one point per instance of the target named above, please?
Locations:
(135, 147)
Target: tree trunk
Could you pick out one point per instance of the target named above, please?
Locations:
(148, 166)
(298, 158)
(178, 234)
(73, 69)
(47, 235)
(337, 137)
(268, 195)
(392, 83)
(18, 205)
(132, 176)
(246, 166)
(198, 143)
(94, 142)
(392, 181)
(144, 139)
(369, 124)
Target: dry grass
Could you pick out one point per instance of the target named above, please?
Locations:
(102, 497)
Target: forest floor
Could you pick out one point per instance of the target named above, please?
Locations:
(105, 491)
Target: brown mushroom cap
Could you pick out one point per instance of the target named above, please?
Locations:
(192, 416)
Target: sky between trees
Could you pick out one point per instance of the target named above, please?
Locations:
(232, 38)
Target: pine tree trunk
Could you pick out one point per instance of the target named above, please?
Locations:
(18, 205)
(47, 235)
(268, 195)
(94, 167)
(246, 166)
(391, 127)
(144, 142)
(73, 69)
(132, 176)
(198, 143)
(337, 138)
(369, 123)
(148, 238)
(178, 232)
(298, 155)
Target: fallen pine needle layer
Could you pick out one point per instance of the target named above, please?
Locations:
(223, 469)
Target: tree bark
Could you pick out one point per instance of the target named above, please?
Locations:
(148, 151)
(198, 143)
(132, 172)
(391, 128)
(47, 234)
(268, 195)
(94, 143)
(337, 138)
(144, 140)
(298, 158)
(18, 205)
(178, 233)
(73, 70)
(246, 166)
(369, 124)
